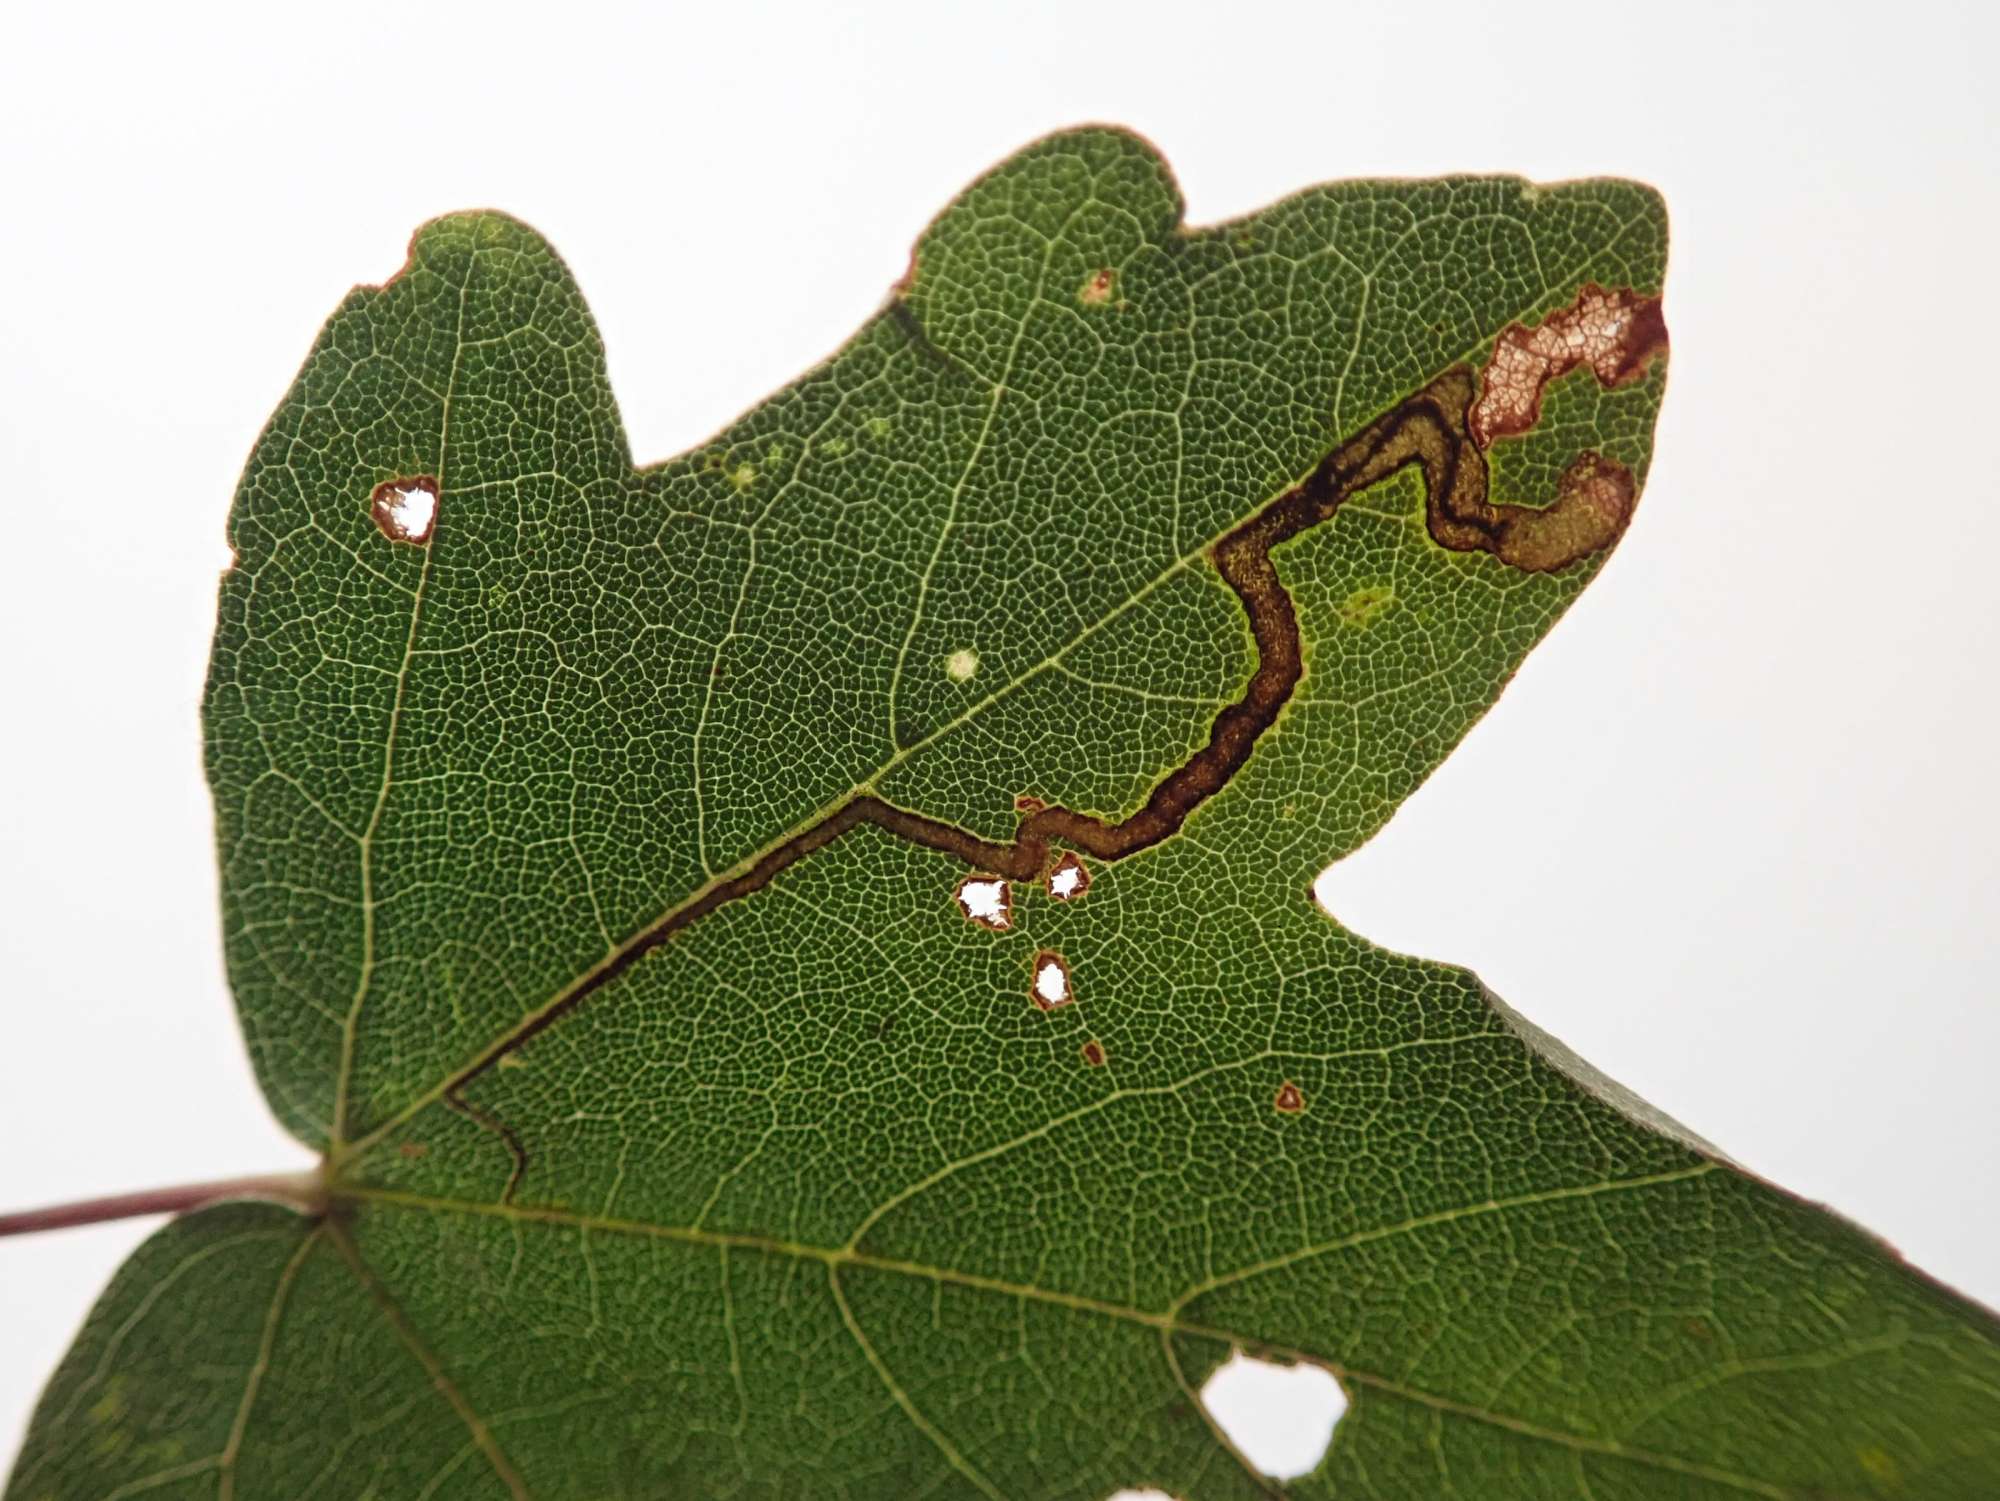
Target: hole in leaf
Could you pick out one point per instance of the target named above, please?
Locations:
(985, 900)
(1051, 981)
(1140, 1495)
(1069, 879)
(406, 509)
(1281, 1417)
(961, 665)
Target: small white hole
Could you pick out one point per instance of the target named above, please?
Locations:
(1281, 1416)
(1069, 879)
(413, 510)
(1051, 982)
(406, 509)
(1148, 1495)
(984, 900)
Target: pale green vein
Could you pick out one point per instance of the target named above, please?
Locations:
(902, 1398)
(267, 1342)
(474, 1425)
(1441, 1217)
(1166, 1321)
(965, 476)
(350, 1030)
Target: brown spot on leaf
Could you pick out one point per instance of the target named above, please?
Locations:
(1027, 802)
(1097, 290)
(1093, 1053)
(1050, 986)
(1070, 879)
(406, 509)
(1615, 334)
(411, 1150)
(1290, 1100)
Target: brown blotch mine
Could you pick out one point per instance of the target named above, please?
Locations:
(1070, 879)
(1097, 290)
(1289, 1101)
(1093, 1053)
(1428, 431)
(1048, 960)
(406, 509)
(1027, 802)
(1616, 334)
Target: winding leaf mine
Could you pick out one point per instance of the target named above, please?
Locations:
(800, 958)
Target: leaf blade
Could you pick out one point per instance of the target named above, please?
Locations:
(816, 1198)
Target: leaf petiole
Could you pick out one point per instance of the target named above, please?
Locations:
(305, 1192)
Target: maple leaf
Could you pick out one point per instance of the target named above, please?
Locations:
(801, 960)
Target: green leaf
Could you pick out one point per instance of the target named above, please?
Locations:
(592, 845)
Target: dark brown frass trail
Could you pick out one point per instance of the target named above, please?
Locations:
(1429, 430)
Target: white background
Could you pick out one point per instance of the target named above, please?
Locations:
(1748, 863)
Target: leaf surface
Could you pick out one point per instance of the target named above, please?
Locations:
(592, 841)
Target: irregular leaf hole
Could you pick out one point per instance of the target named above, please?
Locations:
(1051, 988)
(986, 901)
(1069, 880)
(406, 509)
(1281, 1417)
(961, 665)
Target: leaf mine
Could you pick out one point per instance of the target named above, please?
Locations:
(1614, 333)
